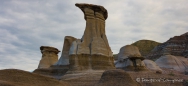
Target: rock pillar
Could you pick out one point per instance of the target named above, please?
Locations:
(92, 51)
(49, 56)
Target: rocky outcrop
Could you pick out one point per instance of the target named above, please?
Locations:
(116, 77)
(129, 58)
(49, 64)
(145, 46)
(173, 62)
(49, 56)
(177, 45)
(151, 65)
(64, 59)
(92, 51)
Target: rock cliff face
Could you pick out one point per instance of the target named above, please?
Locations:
(178, 46)
(49, 56)
(145, 46)
(92, 51)
(129, 58)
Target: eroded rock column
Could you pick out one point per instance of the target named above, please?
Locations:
(92, 51)
(49, 56)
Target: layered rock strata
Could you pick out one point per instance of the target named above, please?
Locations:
(177, 45)
(129, 58)
(49, 56)
(92, 51)
(177, 63)
(49, 64)
(151, 65)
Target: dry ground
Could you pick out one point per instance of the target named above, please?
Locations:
(91, 78)
(13, 77)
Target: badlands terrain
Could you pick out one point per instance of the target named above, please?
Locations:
(89, 61)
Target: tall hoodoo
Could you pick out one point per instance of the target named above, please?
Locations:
(94, 39)
(92, 51)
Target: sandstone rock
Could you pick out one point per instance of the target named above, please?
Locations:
(92, 51)
(129, 58)
(90, 62)
(49, 56)
(94, 40)
(172, 62)
(152, 65)
(116, 77)
(64, 59)
(128, 51)
(74, 46)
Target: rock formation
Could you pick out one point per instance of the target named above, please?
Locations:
(151, 65)
(116, 77)
(64, 59)
(178, 46)
(173, 63)
(92, 51)
(129, 58)
(145, 46)
(49, 56)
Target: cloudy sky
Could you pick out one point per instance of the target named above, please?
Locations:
(25, 25)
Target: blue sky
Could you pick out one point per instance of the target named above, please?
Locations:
(25, 25)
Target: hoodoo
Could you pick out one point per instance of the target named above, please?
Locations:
(129, 58)
(49, 56)
(92, 51)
